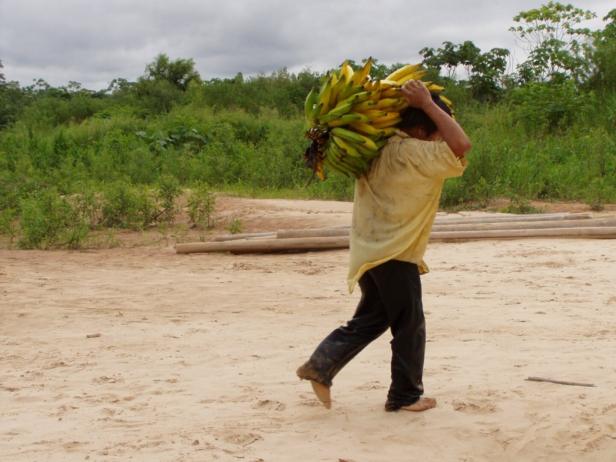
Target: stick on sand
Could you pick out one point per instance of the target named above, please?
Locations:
(560, 382)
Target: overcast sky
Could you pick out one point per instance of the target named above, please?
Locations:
(94, 41)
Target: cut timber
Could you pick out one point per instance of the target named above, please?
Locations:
(236, 237)
(273, 234)
(444, 221)
(590, 223)
(331, 232)
(314, 232)
(608, 232)
(510, 217)
(266, 245)
(322, 243)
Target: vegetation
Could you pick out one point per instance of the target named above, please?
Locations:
(73, 160)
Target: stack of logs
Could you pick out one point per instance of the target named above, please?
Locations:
(445, 229)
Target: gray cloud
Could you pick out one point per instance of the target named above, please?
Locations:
(95, 41)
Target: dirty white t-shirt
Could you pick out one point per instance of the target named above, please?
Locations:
(396, 202)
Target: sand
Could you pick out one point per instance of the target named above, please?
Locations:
(144, 355)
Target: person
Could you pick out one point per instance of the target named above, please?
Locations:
(394, 208)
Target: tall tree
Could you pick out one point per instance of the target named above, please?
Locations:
(604, 56)
(484, 71)
(179, 72)
(558, 47)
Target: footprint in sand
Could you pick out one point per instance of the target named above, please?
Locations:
(474, 407)
(374, 385)
(241, 439)
(74, 445)
(271, 405)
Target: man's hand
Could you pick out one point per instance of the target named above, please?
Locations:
(416, 94)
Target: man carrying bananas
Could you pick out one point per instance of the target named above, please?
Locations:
(394, 208)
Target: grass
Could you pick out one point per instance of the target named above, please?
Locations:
(61, 181)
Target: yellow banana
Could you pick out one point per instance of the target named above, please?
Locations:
(360, 76)
(347, 72)
(386, 123)
(325, 94)
(364, 106)
(386, 103)
(371, 85)
(365, 128)
(337, 88)
(446, 100)
(386, 83)
(371, 130)
(395, 92)
(411, 76)
(388, 131)
(434, 87)
(404, 70)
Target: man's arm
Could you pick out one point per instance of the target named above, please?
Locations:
(417, 95)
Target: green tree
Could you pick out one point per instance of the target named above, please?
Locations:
(487, 73)
(12, 100)
(558, 48)
(179, 72)
(484, 71)
(604, 56)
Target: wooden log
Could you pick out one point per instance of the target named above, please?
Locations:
(607, 232)
(238, 236)
(266, 245)
(331, 232)
(590, 223)
(314, 232)
(321, 243)
(511, 217)
(342, 230)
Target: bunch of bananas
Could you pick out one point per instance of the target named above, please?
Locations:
(351, 116)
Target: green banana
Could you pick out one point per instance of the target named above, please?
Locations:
(355, 137)
(334, 162)
(309, 106)
(345, 147)
(347, 119)
(340, 110)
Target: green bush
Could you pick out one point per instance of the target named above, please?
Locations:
(167, 193)
(48, 220)
(546, 107)
(126, 206)
(201, 204)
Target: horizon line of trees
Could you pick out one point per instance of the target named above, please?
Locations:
(560, 53)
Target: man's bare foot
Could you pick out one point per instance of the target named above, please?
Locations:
(322, 393)
(423, 404)
(307, 372)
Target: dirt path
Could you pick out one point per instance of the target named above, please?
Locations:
(196, 355)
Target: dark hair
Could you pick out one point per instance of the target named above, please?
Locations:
(413, 117)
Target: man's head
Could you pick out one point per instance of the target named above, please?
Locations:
(417, 124)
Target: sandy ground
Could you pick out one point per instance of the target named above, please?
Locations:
(193, 356)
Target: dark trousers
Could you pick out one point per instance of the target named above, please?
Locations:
(391, 298)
